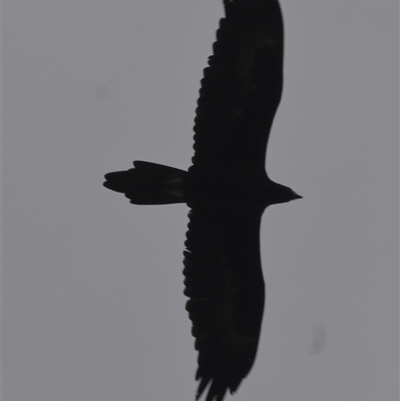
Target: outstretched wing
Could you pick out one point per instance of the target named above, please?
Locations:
(241, 88)
(223, 279)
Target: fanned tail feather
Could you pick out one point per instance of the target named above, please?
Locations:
(149, 183)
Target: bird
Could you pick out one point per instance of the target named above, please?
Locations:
(227, 190)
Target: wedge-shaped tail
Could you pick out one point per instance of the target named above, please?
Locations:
(149, 183)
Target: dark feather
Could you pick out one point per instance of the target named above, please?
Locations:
(148, 183)
(225, 283)
(241, 88)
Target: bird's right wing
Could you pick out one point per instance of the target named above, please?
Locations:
(223, 279)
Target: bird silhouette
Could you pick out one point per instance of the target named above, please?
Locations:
(227, 190)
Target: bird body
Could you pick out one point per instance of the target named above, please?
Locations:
(227, 190)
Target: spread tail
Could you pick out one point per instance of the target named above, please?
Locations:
(148, 183)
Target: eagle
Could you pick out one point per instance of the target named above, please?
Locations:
(227, 190)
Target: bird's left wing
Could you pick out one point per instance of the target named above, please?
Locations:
(241, 88)
(223, 279)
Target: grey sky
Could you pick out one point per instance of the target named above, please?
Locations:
(93, 307)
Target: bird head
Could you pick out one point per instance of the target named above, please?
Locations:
(281, 194)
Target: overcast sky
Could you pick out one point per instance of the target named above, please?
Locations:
(93, 308)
